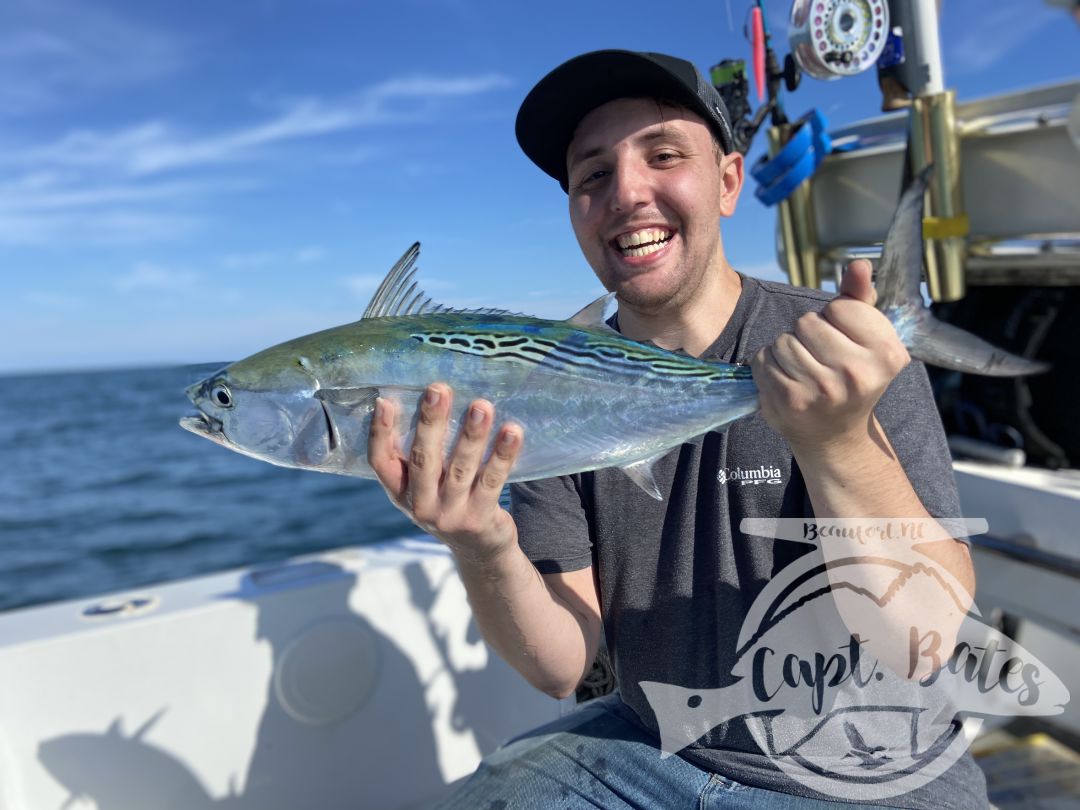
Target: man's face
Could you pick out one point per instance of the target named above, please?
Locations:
(646, 196)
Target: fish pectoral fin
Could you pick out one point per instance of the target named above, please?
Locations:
(361, 400)
(592, 315)
(640, 472)
(350, 399)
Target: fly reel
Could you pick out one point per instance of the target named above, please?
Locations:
(835, 38)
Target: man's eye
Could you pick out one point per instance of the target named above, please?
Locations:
(593, 177)
(665, 157)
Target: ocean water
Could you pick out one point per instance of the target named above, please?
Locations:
(102, 490)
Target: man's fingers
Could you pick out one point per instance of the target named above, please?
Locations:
(469, 452)
(795, 359)
(823, 339)
(426, 454)
(383, 455)
(497, 469)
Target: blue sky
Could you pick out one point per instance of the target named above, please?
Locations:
(188, 182)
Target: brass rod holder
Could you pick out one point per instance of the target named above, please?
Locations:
(802, 216)
(796, 224)
(934, 139)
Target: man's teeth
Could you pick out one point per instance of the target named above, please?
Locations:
(643, 242)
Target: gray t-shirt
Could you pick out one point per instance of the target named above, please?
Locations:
(677, 577)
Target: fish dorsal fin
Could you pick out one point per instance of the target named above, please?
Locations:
(640, 472)
(592, 314)
(400, 295)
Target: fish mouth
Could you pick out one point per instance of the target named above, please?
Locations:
(206, 426)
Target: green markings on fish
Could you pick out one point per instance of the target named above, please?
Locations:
(524, 345)
(586, 396)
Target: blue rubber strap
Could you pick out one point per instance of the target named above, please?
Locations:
(789, 181)
(822, 141)
(767, 170)
(798, 160)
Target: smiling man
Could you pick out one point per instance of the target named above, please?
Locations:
(642, 145)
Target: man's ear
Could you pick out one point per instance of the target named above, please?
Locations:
(731, 178)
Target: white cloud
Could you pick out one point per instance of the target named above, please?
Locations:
(154, 278)
(48, 204)
(241, 261)
(353, 156)
(108, 227)
(121, 186)
(310, 254)
(56, 51)
(152, 147)
(52, 190)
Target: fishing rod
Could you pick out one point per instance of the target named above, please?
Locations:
(730, 79)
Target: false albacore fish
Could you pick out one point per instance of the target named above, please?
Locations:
(586, 396)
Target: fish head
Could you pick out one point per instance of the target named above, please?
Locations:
(272, 417)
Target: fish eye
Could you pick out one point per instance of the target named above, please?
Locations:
(221, 396)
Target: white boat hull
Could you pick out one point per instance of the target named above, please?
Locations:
(353, 679)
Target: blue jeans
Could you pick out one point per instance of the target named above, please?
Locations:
(599, 758)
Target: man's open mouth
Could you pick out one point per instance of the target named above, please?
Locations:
(642, 242)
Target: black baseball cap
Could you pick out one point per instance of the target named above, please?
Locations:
(551, 112)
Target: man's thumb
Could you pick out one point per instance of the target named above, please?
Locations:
(857, 282)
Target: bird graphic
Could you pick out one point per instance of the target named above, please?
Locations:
(869, 756)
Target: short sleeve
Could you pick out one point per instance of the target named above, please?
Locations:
(910, 418)
(552, 523)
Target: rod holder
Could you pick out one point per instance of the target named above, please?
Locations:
(796, 223)
(934, 139)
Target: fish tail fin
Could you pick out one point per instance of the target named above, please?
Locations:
(942, 344)
(899, 297)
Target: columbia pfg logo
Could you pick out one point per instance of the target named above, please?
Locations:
(761, 475)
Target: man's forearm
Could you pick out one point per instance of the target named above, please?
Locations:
(861, 477)
(550, 641)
